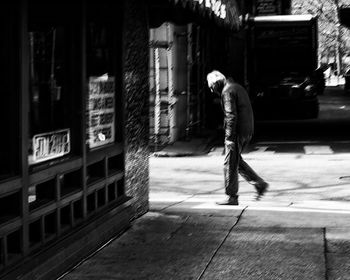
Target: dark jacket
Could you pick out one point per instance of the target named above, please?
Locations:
(238, 113)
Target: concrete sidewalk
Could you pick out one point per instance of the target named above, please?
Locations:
(193, 147)
(192, 238)
(299, 230)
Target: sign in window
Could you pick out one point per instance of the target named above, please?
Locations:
(101, 111)
(50, 145)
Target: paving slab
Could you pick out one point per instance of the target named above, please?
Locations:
(338, 266)
(338, 240)
(193, 147)
(269, 253)
(158, 247)
(198, 208)
(289, 217)
(163, 200)
(338, 253)
(323, 205)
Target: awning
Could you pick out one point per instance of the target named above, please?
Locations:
(224, 13)
(344, 16)
(283, 18)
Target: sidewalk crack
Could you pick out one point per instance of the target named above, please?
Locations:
(177, 202)
(325, 254)
(221, 243)
(171, 234)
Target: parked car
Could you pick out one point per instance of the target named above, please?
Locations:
(293, 96)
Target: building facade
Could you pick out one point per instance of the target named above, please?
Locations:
(188, 39)
(74, 150)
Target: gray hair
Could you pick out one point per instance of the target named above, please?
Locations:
(214, 77)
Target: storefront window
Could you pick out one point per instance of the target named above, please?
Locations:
(9, 93)
(53, 83)
(101, 71)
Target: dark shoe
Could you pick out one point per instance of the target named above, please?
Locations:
(261, 189)
(229, 201)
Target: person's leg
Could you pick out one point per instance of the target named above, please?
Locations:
(231, 171)
(230, 177)
(249, 174)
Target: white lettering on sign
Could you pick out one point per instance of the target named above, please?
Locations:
(268, 7)
(51, 145)
(216, 6)
(223, 11)
(100, 111)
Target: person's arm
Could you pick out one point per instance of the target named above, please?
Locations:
(230, 115)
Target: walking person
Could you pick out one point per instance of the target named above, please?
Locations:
(239, 128)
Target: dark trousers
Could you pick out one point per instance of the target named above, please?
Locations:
(234, 165)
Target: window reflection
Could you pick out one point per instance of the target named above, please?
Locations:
(55, 85)
(9, 92)
(100, 75)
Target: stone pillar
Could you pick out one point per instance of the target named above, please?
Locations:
(136, 103)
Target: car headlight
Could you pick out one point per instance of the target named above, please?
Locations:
(309, 90)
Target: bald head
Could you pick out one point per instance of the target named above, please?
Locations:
(215, 79)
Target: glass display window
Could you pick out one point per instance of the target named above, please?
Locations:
(54, 85)
(101, 41)
(9, 92)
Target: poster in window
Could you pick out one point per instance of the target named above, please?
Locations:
(100, 111)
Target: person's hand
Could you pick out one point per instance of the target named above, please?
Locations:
(230, 144)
